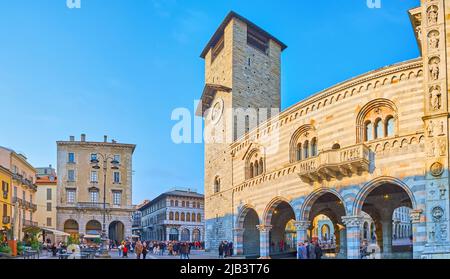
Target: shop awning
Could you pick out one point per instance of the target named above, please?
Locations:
(55, 232)
(92, 236)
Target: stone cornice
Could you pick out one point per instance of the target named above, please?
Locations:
(97, 144)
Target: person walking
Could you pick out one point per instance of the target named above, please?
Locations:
(120, 248)
(144, 251)
(318, 251)
(301, 251)
(125, 251)
(221, 250)
(312, 251)
(138, 249)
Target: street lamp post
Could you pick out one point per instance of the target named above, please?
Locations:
(104, 251)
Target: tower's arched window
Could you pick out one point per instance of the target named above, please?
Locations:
(251, 173)
(256, 171)
(306, 150)
(177, 216)
(188, 217)
(379, 129)
(314, 147)
(261, 166)
(183, 217)
(216, 185)
(368, 128)
(299, 152)
(390, 123)
(171, 216)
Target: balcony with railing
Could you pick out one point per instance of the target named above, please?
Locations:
(28, 223)
(335, 163)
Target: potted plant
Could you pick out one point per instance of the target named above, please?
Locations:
(5, 250)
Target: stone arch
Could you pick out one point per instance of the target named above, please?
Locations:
(243, 213)
(307, 205)
(248, 240)
(273, 204)
(377, 103)
(116, 231)
(71, 227)
(372, 185)
(93, 227)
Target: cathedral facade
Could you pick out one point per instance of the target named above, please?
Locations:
(366, 146)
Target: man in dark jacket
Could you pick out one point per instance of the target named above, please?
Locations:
(318, 251)
(221, 249)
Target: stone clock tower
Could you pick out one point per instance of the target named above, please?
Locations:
(242, 76)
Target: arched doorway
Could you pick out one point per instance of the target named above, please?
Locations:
(185, 235)
(94, 227)
(71, 227)
(173, 234)
(196, 235)
(328, 207)
(282, 236)
(382, 201)
(250, 236)
(116, 231)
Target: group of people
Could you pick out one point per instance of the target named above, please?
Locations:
(173, 248)
(307, 250)
(225, 249)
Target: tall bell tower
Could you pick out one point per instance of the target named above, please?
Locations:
(242, 89)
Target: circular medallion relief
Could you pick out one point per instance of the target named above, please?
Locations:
(437, 169)
(437, 213)
(216, 111)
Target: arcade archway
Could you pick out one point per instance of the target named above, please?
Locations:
(94, 227)
(282, 236)
(71, 227)
(185, 235)
(116, 232)
(381, 201)
(327, 208)
(250, 238)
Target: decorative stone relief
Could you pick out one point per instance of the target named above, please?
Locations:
(431, 149)
(435, 97)
(434, 68)
(442, 147)
(442, 192)
(432, 192)
(433, 39)
(442, 128)
(437, 169)
(433, 14)
(430, 129)
(437, 213)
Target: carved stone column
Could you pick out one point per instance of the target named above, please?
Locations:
(264, 242)
(353, 228)
(238, 242)
(302, 230)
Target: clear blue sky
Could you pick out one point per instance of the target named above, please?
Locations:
(119, 67)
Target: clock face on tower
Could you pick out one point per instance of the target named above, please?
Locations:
(217, 110)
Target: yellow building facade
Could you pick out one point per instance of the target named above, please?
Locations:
(23, 191)
(5, 199)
